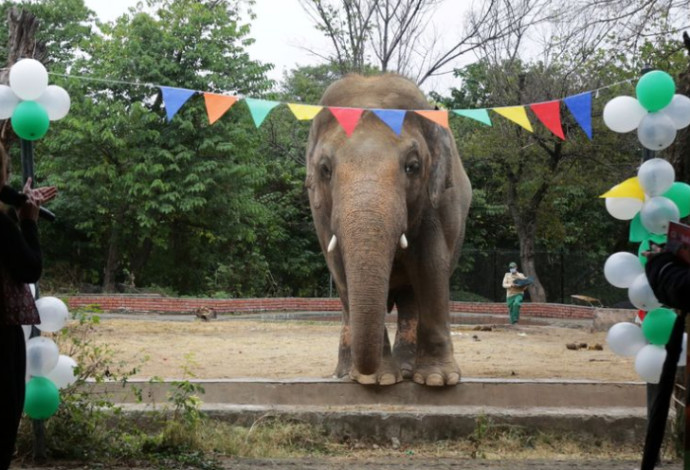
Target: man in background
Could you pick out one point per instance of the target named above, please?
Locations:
(514, 291)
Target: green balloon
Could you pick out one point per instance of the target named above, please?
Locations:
(30, 120)
(655, 90)
(680, 194)
(657, 325)
(644, 246)
(42, 398)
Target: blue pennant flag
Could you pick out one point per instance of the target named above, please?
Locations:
(393, 118)
(174, 98)
(580, 107)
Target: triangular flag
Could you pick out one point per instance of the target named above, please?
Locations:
(580, 107)
(440, 117)
(347, 117)
(260, 109)
(217, 105)
(481, 115)
(393, 118)
(304, 112)
(629, 188)
(637, 231)
(174, 98)
(516, 114)
(549, 113)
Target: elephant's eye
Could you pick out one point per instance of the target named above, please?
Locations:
(325, 169)
(412, 167)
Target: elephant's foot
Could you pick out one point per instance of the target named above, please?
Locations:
(404, 354)
(388, 374)
(436, 372)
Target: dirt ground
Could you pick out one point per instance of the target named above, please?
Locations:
(239, 348)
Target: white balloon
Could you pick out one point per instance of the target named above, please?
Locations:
(625, 339)
(623, 114)
(27, 332)
(63, 373)
(656, 131)
(53, 313)
(679, 111)
(8, 101)
(41, 355)
(56, 101)
(622, 268)
(682, 360)
(656, 214)
(641, 295)
(656, 176)
(623, 208)
(28, 79)
(649, 362)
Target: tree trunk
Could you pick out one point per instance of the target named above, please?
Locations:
(527, 234)
(22, 27)
(113, 261)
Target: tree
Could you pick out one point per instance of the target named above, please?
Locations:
(394, 32)
(160, 195)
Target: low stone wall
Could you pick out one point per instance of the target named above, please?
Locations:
(161, 304)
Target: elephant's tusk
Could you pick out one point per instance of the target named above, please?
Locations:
(403, 241)
(332, 243)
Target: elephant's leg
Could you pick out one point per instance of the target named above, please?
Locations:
(388, 373)
(405, 346)
(344, 352)
(435, 364)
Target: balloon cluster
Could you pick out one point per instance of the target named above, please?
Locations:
(30, 101)
(47, 370)
(657, 113)
(650, 200)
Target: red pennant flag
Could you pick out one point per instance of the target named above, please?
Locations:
(347, 117)
(549, 114)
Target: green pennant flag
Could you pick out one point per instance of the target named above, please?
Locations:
(260, 109)
(481, 115)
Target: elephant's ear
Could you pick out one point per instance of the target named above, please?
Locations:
(309, 180)
(442, 152)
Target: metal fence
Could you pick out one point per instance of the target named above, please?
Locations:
(563, 274)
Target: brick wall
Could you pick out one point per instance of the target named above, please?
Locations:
(160, 304)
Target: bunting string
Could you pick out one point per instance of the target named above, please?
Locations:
(217, 104)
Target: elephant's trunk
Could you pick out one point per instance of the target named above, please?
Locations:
(369, 241)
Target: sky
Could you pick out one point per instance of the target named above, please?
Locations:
(283, 33)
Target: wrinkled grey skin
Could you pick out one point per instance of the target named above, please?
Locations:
(368, 190)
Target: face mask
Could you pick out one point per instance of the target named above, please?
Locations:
(513, 270)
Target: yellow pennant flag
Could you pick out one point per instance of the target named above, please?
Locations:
(628, 188)
(304, 112)
(516, 114)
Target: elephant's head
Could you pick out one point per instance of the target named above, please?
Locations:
(368, 194)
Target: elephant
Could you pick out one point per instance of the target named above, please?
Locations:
(389, 212)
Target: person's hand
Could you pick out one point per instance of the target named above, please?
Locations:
(654, 249)
(35, 197)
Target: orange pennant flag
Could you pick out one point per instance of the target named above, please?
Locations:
(440, 117)
(217, 105)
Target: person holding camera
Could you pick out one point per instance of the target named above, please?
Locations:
(668, 273)
(20, 264)
(515, 291)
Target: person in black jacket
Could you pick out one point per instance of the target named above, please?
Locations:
(668, 273)
(20, 263)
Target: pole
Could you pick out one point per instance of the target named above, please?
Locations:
(40, 453)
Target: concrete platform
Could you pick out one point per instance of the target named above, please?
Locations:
(409, 412)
